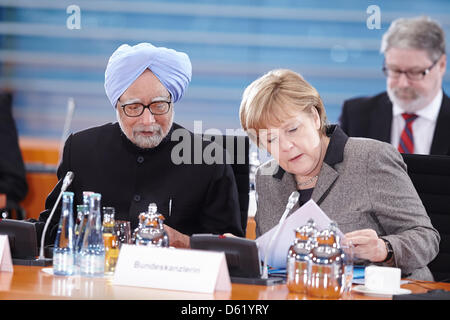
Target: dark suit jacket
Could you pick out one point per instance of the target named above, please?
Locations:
(204, 197)
(371, 117)
(12, 170)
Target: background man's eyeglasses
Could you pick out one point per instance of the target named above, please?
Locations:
(410, 74)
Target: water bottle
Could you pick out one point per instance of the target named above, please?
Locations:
(92, 254)
(81, 209)
(84, 212)
(78, 221)
(64, 251)
(83, 226)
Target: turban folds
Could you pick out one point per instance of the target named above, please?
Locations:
(127, 63)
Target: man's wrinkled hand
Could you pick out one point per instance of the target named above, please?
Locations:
(177, 239)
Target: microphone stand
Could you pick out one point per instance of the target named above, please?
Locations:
(42, 260)
(293, 198)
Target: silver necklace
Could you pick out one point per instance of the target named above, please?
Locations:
(302, 184)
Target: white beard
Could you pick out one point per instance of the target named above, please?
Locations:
(146, 142)
(414, 104)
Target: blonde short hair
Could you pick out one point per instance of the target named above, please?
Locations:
(275, 97)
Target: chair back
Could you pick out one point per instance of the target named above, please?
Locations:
(430, 175)
(237, 148)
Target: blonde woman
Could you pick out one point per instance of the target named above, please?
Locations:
(360, 183)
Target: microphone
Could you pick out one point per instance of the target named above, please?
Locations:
(65, 184)
(293, 199)
(67, 181)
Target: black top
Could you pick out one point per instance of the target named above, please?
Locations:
(203, 197)
(305, 195)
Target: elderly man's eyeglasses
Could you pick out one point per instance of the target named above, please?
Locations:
(136, 109)
(414, 75)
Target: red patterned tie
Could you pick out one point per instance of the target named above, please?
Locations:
(406, 144)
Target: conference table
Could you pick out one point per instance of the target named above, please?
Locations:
(37, 283)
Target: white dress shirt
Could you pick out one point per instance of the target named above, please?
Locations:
(423, 127)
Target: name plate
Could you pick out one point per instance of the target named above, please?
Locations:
(172, 269)
(5, 255)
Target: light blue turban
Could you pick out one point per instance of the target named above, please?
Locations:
(127, 63)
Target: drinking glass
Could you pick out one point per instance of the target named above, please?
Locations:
(348, 260)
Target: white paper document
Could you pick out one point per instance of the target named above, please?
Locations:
(5, 255)
(286, 236)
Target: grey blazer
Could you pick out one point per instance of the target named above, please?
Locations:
(363, 183)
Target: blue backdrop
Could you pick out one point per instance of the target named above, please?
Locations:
(229, 42)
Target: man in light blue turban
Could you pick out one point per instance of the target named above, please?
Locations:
(127, 63)
(130, 162)
(148, 68)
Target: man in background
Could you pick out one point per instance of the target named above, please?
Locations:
(13, 184)
(414, 112)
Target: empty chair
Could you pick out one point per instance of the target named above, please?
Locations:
(430, 175)
(237, 148)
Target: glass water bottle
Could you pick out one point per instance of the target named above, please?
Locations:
(83, 225)
(64, 250)
(92, 255)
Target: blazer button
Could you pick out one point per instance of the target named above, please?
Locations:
(137, 198)
(140, 159)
